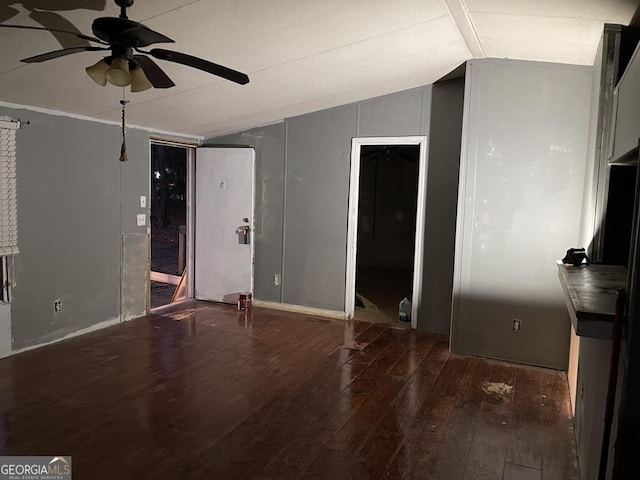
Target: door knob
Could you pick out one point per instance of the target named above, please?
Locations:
(244, 234)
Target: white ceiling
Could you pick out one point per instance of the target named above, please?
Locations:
(301, 55)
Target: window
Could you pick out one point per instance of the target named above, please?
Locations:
(8, 208)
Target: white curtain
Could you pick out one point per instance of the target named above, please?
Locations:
(8, 207)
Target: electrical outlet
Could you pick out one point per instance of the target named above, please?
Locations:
(276, 279)
(57, 306)
(516, 325)
(141, 219)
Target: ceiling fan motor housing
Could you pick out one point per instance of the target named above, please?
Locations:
(124, 3)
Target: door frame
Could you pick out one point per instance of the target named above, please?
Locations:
(190, 149)
(191, 221)
(352, 219)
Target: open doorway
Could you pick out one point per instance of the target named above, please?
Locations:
(386, 228)
(168, 223)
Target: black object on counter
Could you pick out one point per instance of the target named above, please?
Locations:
(576, 256)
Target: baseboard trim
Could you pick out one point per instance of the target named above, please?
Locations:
(98, 326)
(287, 307)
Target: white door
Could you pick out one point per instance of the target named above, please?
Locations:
(224, 212)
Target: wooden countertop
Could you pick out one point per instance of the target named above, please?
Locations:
(591, 296)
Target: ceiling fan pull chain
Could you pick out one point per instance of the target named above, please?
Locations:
(123, 148)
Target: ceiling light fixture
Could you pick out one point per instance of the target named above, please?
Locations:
(119, 71)
(139, 80)
(98, 72)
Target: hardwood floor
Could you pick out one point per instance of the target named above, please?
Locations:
(202, 391)
(384, 288)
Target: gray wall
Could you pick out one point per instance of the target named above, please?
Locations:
(75, 203)
(594, 169)
(400, 114)
(317, 195)
(5, 330)
(445, 135)
(303, 165)
(521, 185)
(135, 178)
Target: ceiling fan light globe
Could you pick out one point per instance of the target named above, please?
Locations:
(118, 73)
(139, 81)
(98, 72)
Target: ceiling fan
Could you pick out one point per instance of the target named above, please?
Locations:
(127, 64)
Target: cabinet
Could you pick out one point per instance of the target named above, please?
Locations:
(605, 76)
(627, 111)
(617, 46)
(624, 131)
(591, 296)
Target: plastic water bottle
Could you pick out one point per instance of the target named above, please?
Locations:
(404, 310)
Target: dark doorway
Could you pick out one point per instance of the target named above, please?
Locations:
(168, 221)
(387, 210)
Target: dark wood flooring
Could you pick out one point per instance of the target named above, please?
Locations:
(380, 290)
(203, 391)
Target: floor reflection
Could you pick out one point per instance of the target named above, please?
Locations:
(202, 390)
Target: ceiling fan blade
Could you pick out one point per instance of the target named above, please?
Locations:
(153, 72)
(142, 36)
(200, 64)
(126, 33)
(60, 53)
(79, 35)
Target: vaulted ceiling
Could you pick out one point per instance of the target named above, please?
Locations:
(301, 55)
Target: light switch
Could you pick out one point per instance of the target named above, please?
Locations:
(143, 201)
(142, 219)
